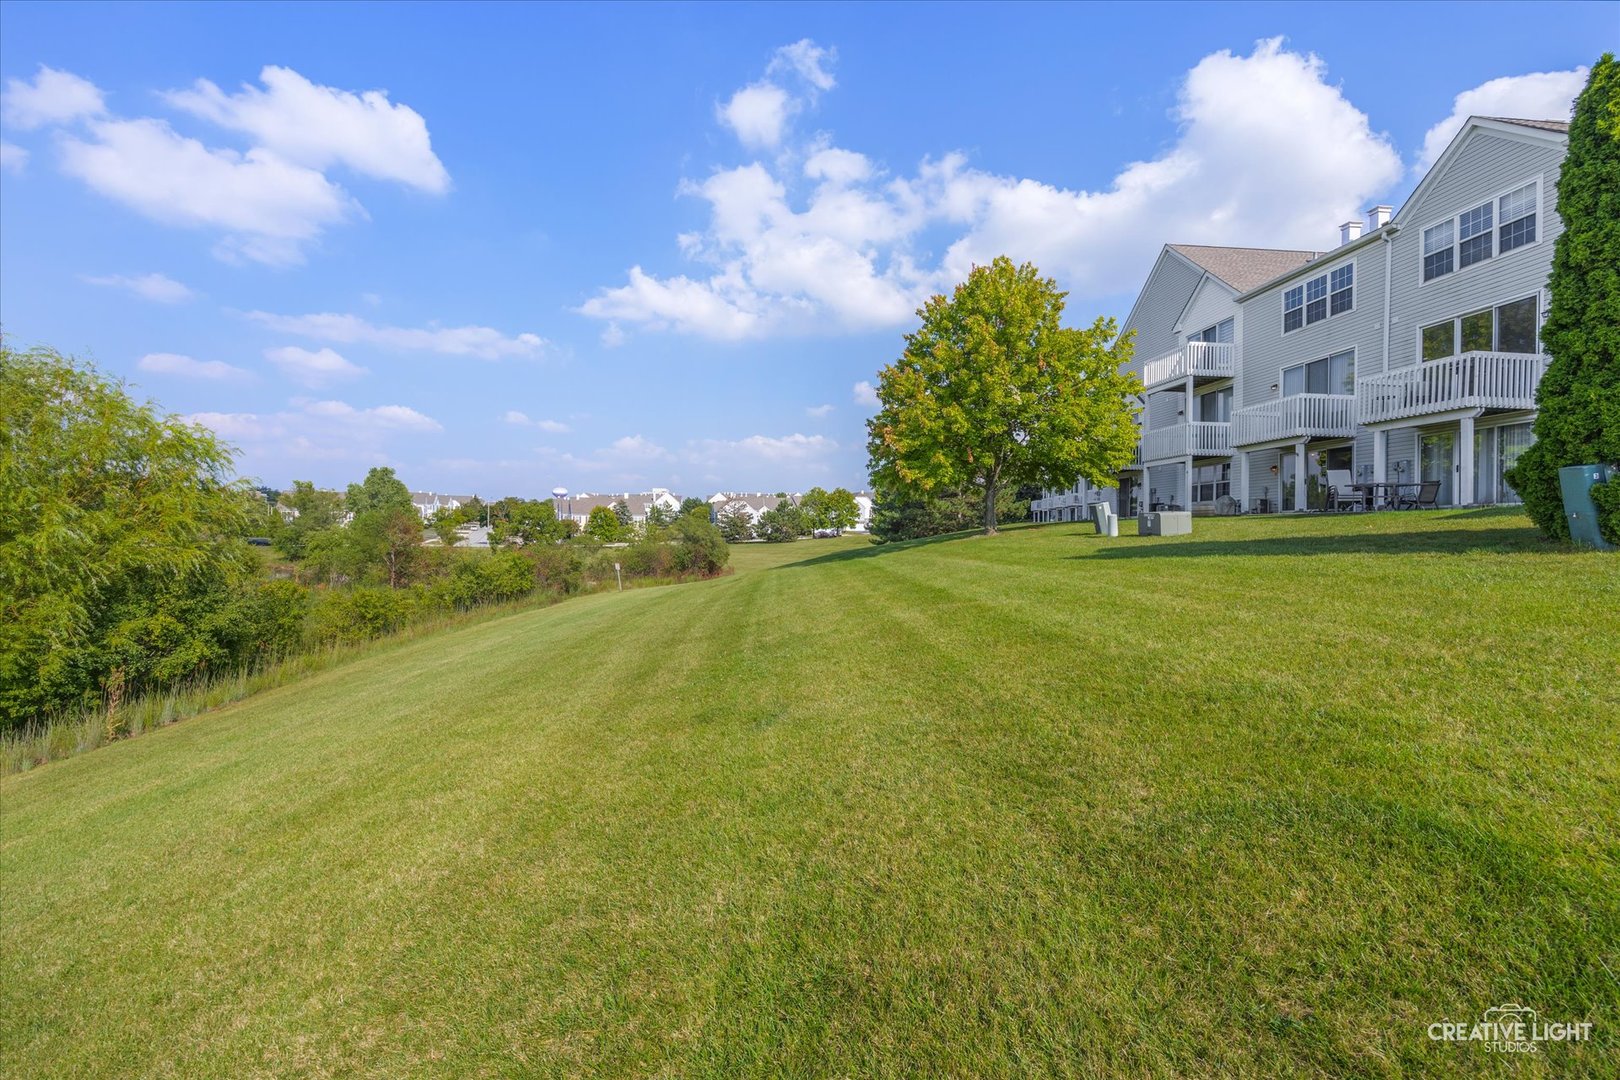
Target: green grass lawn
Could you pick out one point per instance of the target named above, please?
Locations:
(1267, 800)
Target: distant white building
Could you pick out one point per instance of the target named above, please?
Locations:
(753, 503)
(578, 507)
(428, 503)
(864, 501)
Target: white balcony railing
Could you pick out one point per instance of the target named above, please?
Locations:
(1301, 416)
(1198, 439)
(1200, 359)
(1474, 380)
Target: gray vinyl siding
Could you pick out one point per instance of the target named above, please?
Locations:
(1167, 483)
(1163, 406)
(1211, 302)
(1163, 298)
(1266, 350)
(1485, 166)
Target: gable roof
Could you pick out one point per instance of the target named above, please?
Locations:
(1544, 125)
(1242, 268)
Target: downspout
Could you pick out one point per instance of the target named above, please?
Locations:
(1389, 250)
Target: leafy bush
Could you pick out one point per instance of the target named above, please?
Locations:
(700, 550)
(358, 614)
(120, 539)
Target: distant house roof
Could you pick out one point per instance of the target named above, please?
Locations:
(1243, 268)
(638, 502)
(1544, 125)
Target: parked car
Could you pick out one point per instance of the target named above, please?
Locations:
(827, 534)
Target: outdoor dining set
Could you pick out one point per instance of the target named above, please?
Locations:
(1343, 494)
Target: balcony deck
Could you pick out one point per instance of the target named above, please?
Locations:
(1202, 360)
(1474, 380)
(1197, 439)
(1299, 416)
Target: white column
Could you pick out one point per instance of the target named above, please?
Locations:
(1188, 504)
(1299, 476)
(1381, 457)
(1465, 462)
(1240, 466)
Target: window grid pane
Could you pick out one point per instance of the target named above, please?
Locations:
(1437, 265)
(1316, 310)
(1518, 233)
(1516, 204)
(1293, 320)
(1473, 222)
(1473, 250)
(1437, 238)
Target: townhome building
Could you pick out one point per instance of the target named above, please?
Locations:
(1409, 353)
(577, 508)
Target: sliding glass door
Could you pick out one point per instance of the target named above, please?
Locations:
(1495, 451)
(1437, 460)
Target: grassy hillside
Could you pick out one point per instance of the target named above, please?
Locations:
(1268, 800)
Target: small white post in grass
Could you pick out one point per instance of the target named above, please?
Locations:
(619, 576)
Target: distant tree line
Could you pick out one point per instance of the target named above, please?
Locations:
(125, 566)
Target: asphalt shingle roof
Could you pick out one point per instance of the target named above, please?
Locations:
(1244, 268)
(1544, 125)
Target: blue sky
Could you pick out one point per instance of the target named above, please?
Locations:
(615, 247)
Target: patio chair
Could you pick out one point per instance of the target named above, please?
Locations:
(1427, 497)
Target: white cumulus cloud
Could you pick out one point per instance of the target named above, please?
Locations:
(481, 341)
(312, 367)
(159, 288)
(1544, 95)
(269, 208)
(822, 240)
(187, 367)
(758, 114)
(866, 394)
(13, 158)
(401, 417)
(519, 419)
(53, 97)
(270, 201)
(819, 411)
(320, 126)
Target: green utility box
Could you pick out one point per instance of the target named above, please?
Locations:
(1576, 482)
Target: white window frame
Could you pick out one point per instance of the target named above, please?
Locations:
(1496, 233)
(1326, 277)
(1282, 374)
(1496, 329)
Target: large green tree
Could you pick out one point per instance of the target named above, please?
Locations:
(833, 509)
(1578, 401)
(121, 540)
(992, 391)
(314, 510)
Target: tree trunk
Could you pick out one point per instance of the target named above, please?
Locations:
(990, 489)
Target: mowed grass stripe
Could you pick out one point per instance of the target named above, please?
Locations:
(974, 807)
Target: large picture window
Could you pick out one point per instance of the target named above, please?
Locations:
(1215, 407)
(1329, 294)
(1507, 328)
(1220, 332)
(1334, 374)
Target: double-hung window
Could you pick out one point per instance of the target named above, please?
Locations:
(1474, 235)
(1342, 291)
(1294, 308)
(1334, 374)
(1437, 253)
(1516, 213)
(1329, 294)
